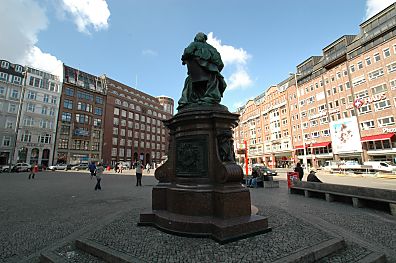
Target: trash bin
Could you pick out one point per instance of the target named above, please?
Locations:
(291, 177)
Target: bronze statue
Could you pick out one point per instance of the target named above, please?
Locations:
(204, 83)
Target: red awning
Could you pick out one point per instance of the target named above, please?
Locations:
(313, 145)
(319, 144)
(377, 137)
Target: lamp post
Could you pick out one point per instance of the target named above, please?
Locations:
(305, 162)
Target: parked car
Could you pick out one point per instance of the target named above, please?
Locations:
(263, 171)
(4, 169)
(59, 166)
(21, 167)
(81, 166)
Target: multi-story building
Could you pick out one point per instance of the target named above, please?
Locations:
(29, 102)
(38, 118)
(340, 105)
(81, 117)
(133, 128)
(11, 82)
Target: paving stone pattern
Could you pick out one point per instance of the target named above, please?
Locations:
(151, 245)
(72, 254)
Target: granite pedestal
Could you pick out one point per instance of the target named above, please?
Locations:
(199, 191)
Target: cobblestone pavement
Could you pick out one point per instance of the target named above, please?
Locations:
(58, 207)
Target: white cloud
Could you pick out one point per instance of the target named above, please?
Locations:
(238, 79)
(149, 52)
(229, 54)
(88, 14)
(17, 42)
(45, 61)
(375, 6)
(236, 59)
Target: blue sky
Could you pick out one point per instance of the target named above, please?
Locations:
(140, 43)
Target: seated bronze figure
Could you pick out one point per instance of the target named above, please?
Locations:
(204, 83)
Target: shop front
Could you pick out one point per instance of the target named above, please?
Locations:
(381, 147)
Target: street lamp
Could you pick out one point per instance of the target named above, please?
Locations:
(305, 162)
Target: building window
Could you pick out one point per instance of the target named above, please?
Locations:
(366, 125)
(368, 61)
(376, 73)
(66, 117)
(3, 76)
(379, 89)
(14, 94)
(46, 98)
(63, 143)
(381, 105)
(69, 92)
(377, 57)
(387, 121)
(26, 137)
(365, 109)
(28, 121)
(114, 152)
(68, 104)
(360, 65)
(31, 95)
(99, 100)
(116, 111)
(98, 111)
(97, 122)
(352, 68)
(5, 64)
(81, 118)
(391, 67)
(386, 52)
(31, 107)
(46, 138)
(6, 141)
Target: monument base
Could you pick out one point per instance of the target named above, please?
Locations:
(199, 191)
(220, 230)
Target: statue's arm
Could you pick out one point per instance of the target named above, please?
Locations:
(188, 52)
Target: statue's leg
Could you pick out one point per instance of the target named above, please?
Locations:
(212, 94)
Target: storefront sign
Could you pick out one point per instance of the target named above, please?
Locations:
(360, 102)
(389, 130)
(34, 145)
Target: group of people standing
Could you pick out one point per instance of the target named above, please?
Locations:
(97, 171)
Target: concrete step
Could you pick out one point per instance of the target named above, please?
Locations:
(68, 254)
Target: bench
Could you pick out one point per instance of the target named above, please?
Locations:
(359, 196)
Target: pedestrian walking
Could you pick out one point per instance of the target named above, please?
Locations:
(300, 171)
(98, 173)
(120, 168)
(92, 169)
(148, 166)
(139, 174)
(33, 170)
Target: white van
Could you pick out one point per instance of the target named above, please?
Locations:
(382, 166)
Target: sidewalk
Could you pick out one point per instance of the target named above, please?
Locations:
(298, 223)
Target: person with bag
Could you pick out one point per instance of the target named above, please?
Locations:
(98, 173)
(92, 168)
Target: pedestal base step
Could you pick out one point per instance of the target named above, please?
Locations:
(221, 230)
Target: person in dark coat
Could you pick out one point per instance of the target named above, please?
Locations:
(300, 171)
(313, 178)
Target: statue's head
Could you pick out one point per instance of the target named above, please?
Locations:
(201, 37)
